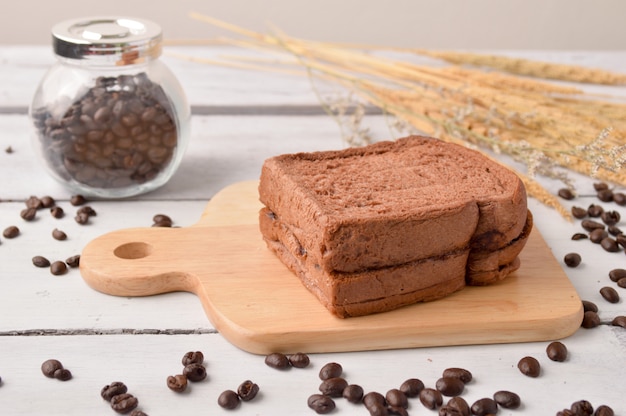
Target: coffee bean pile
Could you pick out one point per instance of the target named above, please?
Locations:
(193, 370)
(53, 368)
(396, 400)
(246, 392)
(600, 225)
(120, 400)
(281, 361)
(36, 204)
(585, 408)
(120, 133)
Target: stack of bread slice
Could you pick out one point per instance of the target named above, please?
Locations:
(375, 228)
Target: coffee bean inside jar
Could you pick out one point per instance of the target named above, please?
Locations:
(108, 122)
(121, 132)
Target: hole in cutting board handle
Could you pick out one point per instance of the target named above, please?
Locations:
(132, 251)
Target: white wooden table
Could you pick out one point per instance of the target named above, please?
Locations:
(240, 118)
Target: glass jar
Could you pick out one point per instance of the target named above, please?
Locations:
(110, 119)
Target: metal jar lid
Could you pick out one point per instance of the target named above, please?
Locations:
(116, 40)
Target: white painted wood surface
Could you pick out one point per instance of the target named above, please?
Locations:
(141, 340)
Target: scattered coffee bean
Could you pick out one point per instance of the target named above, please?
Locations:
(614, 230)
(40, 261)
(28, 214)
(81, 218)
(600, 186)
(247, 390)
(161, 220)
(124, 403)
(333, 387)
(63, 374)
(619, 198)
(597, 235)
(87, 210)
(49, 367)
(579, 236)
(609, 294)
(507, 399)
(194, 372)
(113, 389)
(321, 404)
(446, 410)
(374, 399)
(621, 240)
(556, 351)
(34, 202)
(622, 282)
(137, 413)
(582, 407)
(595, 210)
(579, 212)
(73, 261)
(177, 383)
(228, 399)
(58, 268)
(619, 321)
(462, 374)
(484, 407)
(393, 410)
(605, 195)
(529, 366)
(572, 259)
(589, 306)
(330, 370)
(610, 217)
(277, 360)
(604, 410)
(450, 386)
(193, 357)
(47, 201)
(57, 212)
(412, 387)
(353, 393)
(299, 360)
(566, 193)
(590, 320)
(591, 225)
(431, 398)
(609, 245)
(397, 398)
(617, 274)
(11, 232)
(77, 200)
(460, 405)
(59, 235)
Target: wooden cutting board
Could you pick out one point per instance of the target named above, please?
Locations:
(261, 307)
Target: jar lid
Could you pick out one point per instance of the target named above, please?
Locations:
(118, 40)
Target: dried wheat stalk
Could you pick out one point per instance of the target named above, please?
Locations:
(545, 126)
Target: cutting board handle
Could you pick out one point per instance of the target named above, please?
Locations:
(138, 262)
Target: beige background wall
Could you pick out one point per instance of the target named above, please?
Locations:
(477, 24)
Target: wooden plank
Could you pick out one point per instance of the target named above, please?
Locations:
(143, 362)
(22, 67)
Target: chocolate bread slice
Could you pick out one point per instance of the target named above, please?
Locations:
(332, 216)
